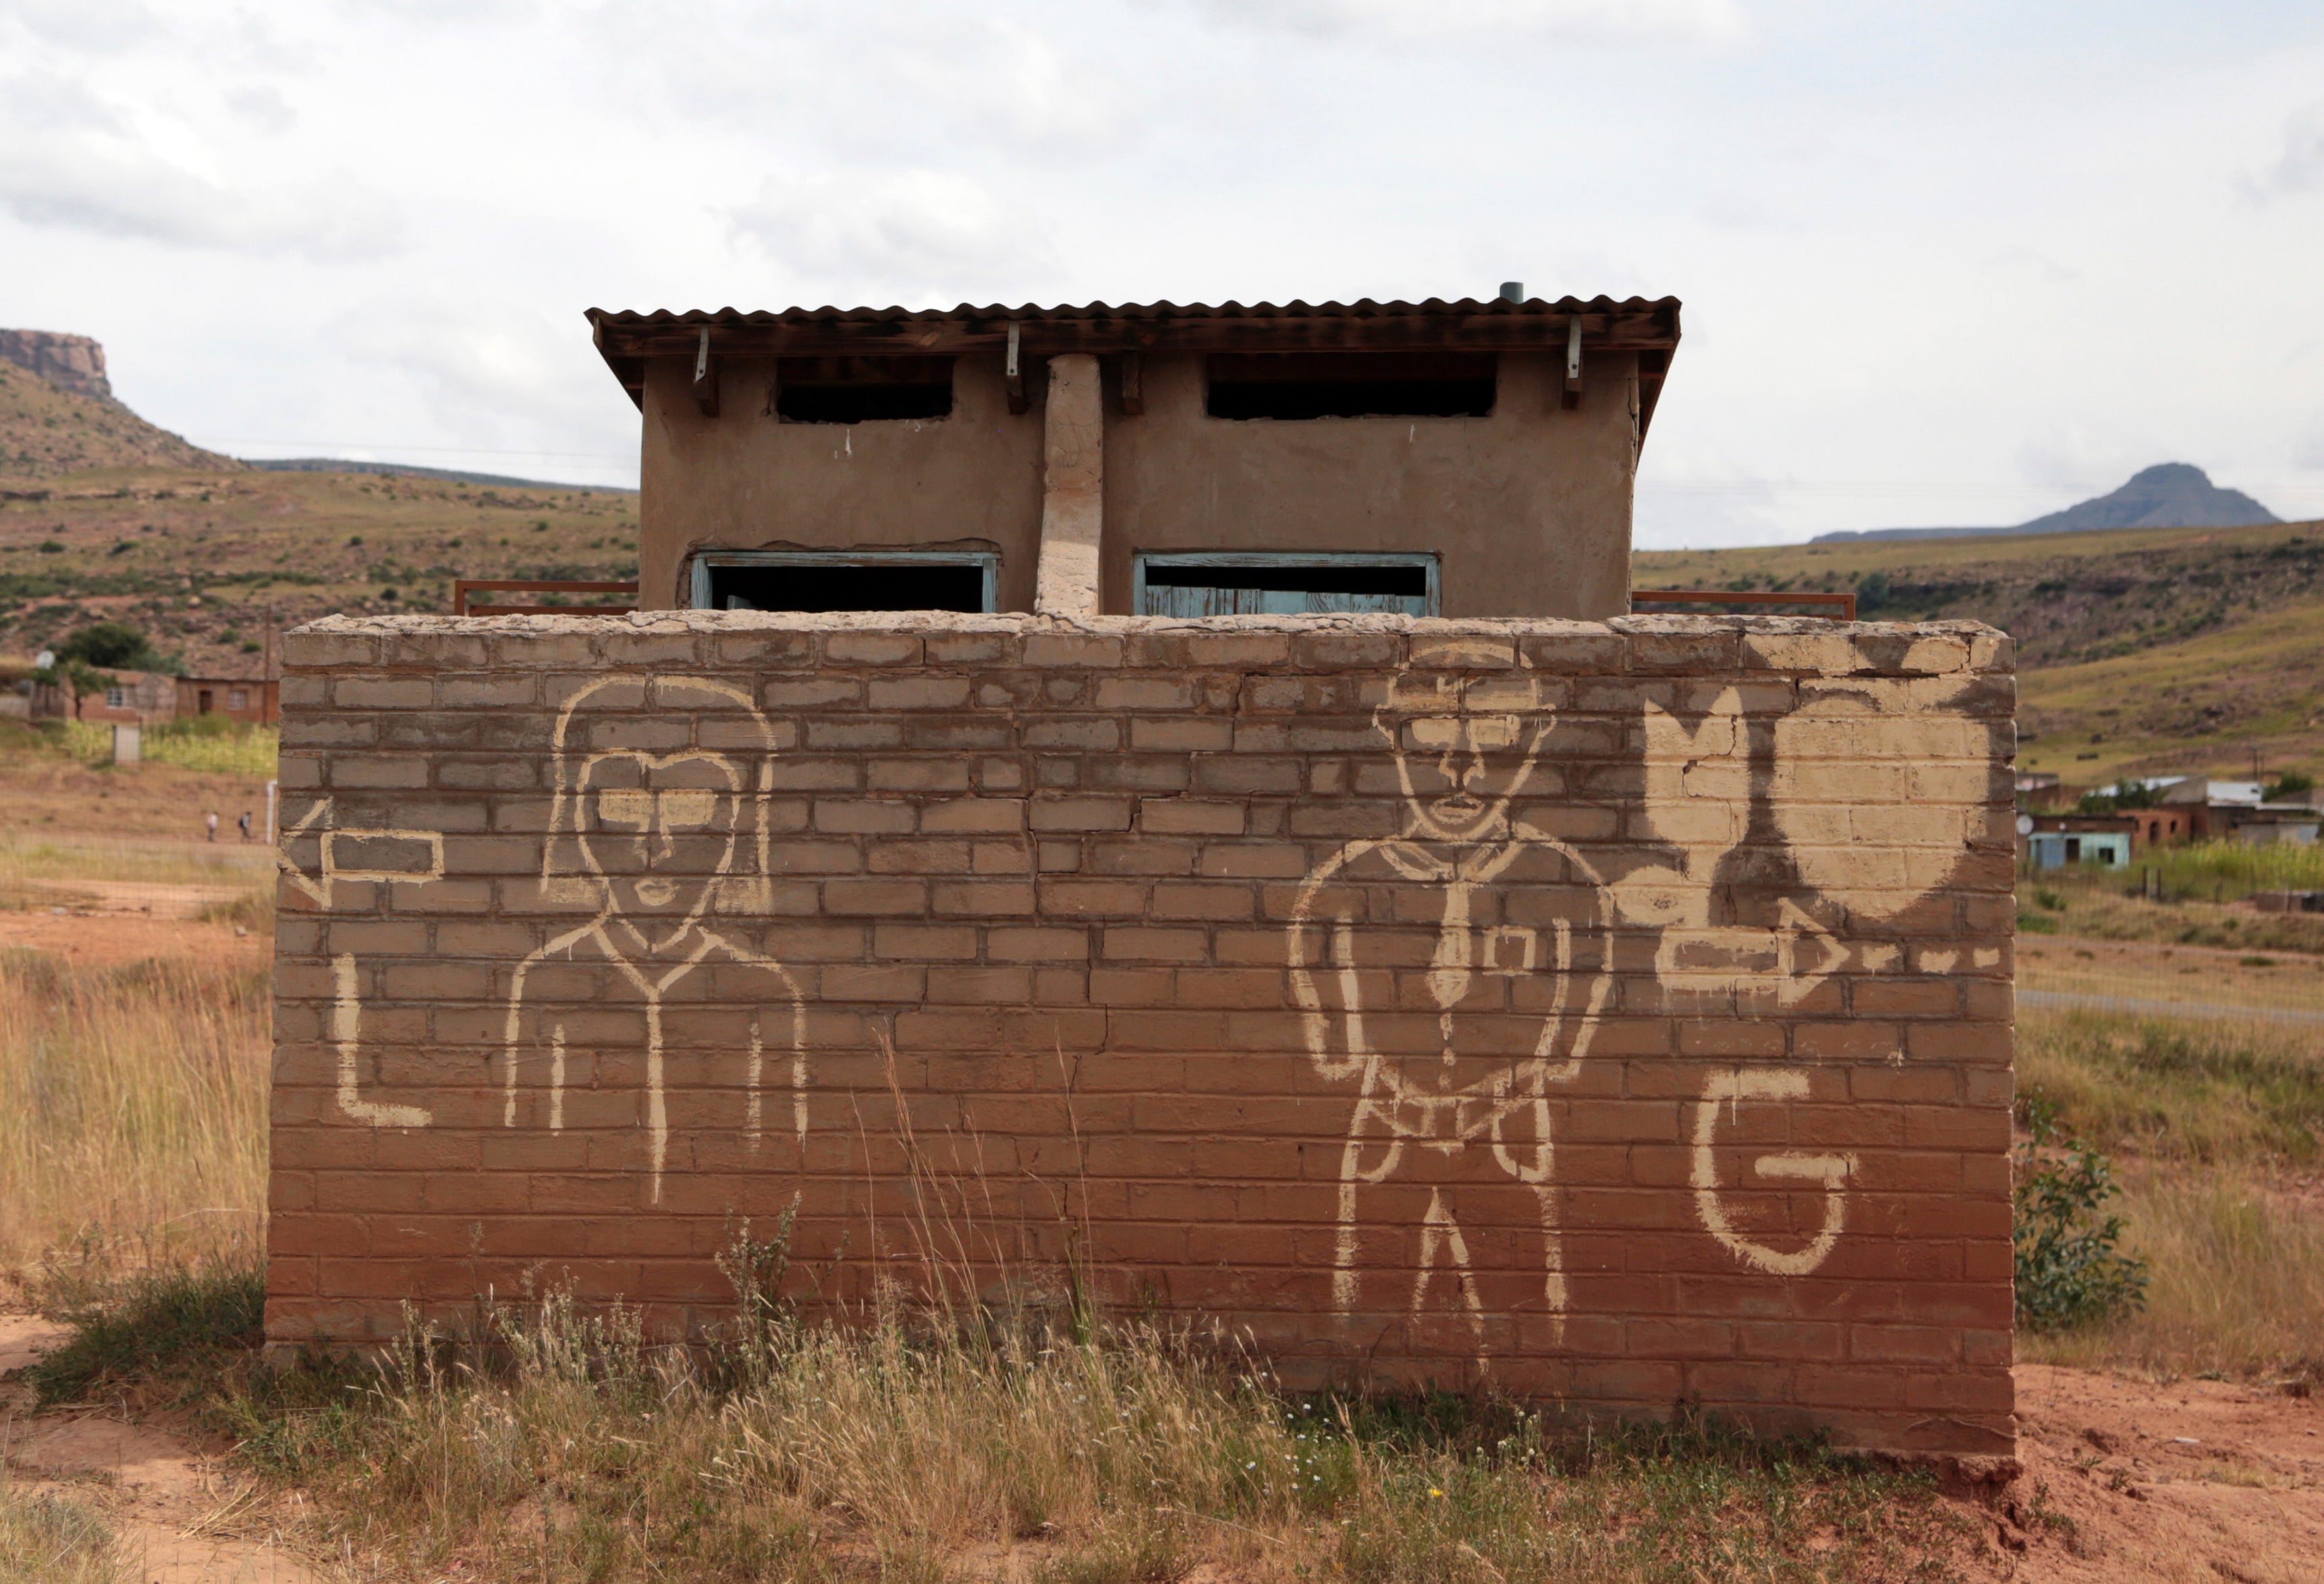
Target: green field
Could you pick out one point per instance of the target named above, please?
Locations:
(2141, 651)
(203, 562)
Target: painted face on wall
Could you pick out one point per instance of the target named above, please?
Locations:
(1464, 746)
(659, 832)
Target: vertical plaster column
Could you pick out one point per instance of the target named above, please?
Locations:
(1073, 504)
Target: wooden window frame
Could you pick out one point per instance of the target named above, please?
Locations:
(1429, 561)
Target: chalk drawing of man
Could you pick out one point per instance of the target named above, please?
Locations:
(1454, 975)
(668, 850)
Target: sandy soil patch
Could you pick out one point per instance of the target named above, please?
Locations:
(183, 1515)
(2128, 1482)
(93, 939)
(55, 797)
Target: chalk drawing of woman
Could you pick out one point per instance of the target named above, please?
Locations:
(1454, 975)
(668, 846)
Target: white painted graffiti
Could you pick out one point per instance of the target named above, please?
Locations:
(667, 846)
(377, 853)
(1830, 1172)
(1453, 975)
(394, 854)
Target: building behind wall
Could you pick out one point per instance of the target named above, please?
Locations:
(1453, 459)
(1263, 866)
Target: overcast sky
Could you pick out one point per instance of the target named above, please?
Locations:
(1953, 262)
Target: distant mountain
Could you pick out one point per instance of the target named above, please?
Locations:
(2170, 495)
(401, 470)
(58, 413)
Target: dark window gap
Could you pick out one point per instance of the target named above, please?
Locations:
(861, 390)
(1349, 384)
(915, 585)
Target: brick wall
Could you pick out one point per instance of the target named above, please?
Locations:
(1619, 1015)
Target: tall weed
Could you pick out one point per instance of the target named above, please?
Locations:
(571, 1446)
(2176, 1088)
(132, 1113)
(2236, 1281)
(47, 1538)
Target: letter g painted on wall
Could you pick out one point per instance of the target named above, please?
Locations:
(1730, 1090)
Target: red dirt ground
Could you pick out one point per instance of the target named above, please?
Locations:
(2129, 1482)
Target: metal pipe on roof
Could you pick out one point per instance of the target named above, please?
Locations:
(1512, 291)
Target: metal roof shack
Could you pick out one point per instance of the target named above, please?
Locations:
(1470, 458)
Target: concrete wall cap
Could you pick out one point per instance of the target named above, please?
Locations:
(1982, 636)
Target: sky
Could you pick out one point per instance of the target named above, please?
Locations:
(1948, 263)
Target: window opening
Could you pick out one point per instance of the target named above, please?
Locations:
(861, 390)
(1349, 384)
(1284, 583)
(818, 580)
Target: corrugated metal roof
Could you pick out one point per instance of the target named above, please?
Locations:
(1363, 308)
(1648, 327)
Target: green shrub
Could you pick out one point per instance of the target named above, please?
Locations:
(2068, 1272)
(112, 644)
(176, 1322)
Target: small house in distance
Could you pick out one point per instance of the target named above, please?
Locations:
(1434, 458)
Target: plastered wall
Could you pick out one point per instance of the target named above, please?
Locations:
(1616, 1014)
(1529, 508)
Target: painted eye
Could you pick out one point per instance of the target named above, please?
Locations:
(689, 809)
(1489, 732)
(625, 808)
(1435, 731)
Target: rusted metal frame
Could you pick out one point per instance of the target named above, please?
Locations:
(1844, 603)
(705, 377)
(464, 587)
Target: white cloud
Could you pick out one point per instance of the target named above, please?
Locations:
(2298, 166)
(909, 79)
(498, 369)
(881, 237)
(1570, 22)
(100, 26)
(262, 105)
(69, 161)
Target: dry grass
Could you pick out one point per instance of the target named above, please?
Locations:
(916, 1444)
(46, 1538)
(25, 859)
(2237, 1283)
(2178, 1093)
(2094, 908)
(133, 1111)
(2212, 1120)
(917, 1447)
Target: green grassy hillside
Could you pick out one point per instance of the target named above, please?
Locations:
(202, 560)
(2141, 650)
(46, 432)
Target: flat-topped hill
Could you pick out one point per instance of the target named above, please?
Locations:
(47, 431)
